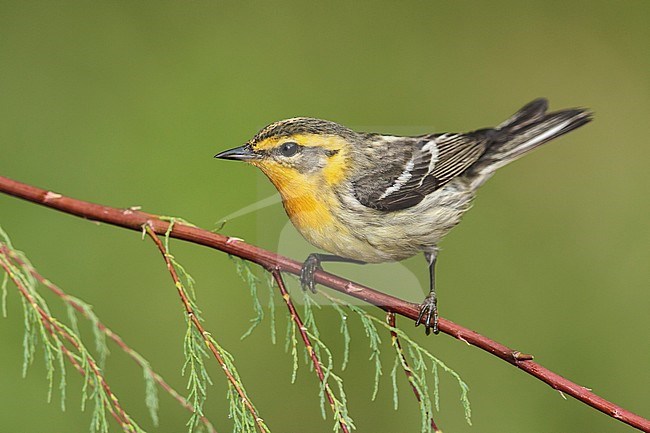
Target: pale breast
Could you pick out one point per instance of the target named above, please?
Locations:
(404, 233)
(341, 225)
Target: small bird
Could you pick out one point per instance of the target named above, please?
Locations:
(372, 198)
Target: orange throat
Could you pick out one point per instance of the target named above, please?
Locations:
(304, 200)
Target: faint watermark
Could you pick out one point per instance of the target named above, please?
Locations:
(393, 278)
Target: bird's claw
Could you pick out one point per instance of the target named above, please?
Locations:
(429, 312)
(311, 265)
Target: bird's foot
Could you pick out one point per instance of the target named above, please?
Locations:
(311, 265)
(429, 314)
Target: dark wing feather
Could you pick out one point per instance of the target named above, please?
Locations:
(434, 160)
(458, 151)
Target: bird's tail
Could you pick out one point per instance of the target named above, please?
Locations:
(527, 129)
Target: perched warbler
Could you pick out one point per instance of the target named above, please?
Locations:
(371, 198)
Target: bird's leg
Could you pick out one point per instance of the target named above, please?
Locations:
(313, 263)
(429, 307)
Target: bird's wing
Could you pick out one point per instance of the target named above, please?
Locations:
(430, 162)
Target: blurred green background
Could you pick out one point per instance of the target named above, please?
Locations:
(125, 103)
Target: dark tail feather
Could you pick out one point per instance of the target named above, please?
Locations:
(527, 129)
(529, 113)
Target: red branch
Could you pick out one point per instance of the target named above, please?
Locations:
(187, 304)
(390, 319)
(134, 220)
(53, 327)
(310, 348)
(107, 331)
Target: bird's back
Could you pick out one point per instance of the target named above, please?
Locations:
(411, 191)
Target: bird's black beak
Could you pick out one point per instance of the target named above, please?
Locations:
(241, 153)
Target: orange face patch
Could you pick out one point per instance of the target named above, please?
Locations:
(333, 172)
(301, 194)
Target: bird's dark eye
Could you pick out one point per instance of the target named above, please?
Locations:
(289, 149)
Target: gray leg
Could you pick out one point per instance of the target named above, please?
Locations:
(429, 307)
(313, 263)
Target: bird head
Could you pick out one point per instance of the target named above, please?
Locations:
(298, 153)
